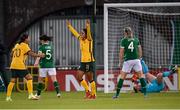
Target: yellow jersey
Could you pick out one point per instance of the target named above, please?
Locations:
(86, 45)
(19, 56)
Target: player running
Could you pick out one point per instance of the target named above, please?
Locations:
(18, 68)
(87, 59)
(47, 65)
(155, 84)
(130, 52)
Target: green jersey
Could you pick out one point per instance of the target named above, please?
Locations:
(130, 46)
(47, 61)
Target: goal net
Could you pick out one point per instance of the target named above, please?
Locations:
(157, 25)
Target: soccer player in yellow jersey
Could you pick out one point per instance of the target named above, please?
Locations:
(87, 59)
(18, 68)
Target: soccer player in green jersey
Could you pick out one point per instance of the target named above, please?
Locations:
(130, 54)
(47, 65)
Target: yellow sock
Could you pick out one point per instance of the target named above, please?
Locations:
(29, 86)
(9, 89)
(84, 84)
(93, 88)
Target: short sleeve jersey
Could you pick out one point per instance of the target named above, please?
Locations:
(130, 46)
(19, 55)
(86, 45)
(47, 61)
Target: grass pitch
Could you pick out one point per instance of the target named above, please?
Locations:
(75, 100)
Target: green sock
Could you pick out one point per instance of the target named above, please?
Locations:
(39, 88)
(143, 85)
(119, 86)
(56, 86)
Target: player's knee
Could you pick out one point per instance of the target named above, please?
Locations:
(79, 75)
(13, 80)
(140, 74)
(40, 79)
(123, 75)
(89, 76)
(28, 77)
(159, 78)
(53, 78)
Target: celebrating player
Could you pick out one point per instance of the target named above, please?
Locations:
(155, 84)
(87, 59)
(47, 65)
(130, 52)
(18, 67)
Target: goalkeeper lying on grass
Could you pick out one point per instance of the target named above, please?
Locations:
(155, 84)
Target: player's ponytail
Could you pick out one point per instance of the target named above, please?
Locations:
(128, 30)
(23, 38)
(85, 31)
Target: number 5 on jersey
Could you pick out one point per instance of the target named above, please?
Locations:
(48, 54)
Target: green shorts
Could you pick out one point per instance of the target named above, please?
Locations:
(87, 67)
(19, 73)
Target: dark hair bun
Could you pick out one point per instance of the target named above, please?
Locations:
(127, 30)
(45, 38)
(23, 37)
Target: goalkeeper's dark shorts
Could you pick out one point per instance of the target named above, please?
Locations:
(19, 73)
(87, 66)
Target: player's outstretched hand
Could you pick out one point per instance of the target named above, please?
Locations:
(87, 21)
(68, 23)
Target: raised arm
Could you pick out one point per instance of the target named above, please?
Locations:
(73, 31)
(89, 37)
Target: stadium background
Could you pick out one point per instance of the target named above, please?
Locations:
(37, 17)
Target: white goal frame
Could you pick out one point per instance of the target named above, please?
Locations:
(106, 6)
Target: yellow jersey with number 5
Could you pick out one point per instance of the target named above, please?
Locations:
(19, 55)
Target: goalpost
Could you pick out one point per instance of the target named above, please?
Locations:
(157, 25)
